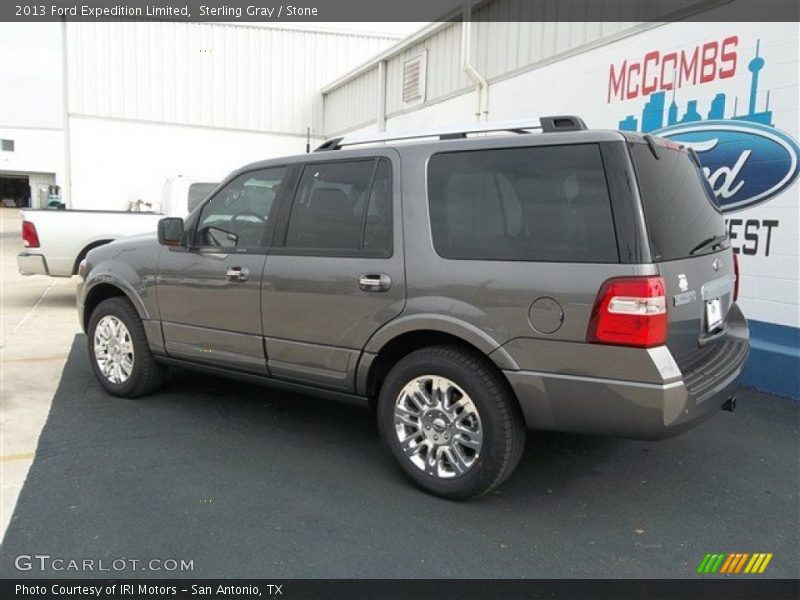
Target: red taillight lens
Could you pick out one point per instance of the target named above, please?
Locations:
(735, 277)
(630, 311)
(30, 239)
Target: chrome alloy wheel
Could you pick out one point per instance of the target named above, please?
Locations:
(438, 426)
(113, 349)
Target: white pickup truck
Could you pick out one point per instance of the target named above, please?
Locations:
(56, 241)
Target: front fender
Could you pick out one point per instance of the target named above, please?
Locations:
(121, 276)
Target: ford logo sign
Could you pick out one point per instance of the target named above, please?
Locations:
(745, 163)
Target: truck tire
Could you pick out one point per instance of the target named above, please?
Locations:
(119, 352)
(451, 421)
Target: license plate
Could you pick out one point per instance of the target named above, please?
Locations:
(713, 314)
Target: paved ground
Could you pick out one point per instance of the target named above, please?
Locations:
(37, 324)
(246, 481)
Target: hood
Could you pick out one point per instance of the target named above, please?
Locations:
(124, 248)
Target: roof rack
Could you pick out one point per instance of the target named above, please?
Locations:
(544, 124)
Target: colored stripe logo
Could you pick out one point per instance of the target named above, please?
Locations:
(733, 563)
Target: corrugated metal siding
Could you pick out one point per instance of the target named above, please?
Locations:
(529, 34)
(356, 99)
(498, 48)
(501, 48)
(207, 74)
(444, 73)
(342, 106)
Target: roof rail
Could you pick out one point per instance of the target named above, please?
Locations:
(544, 124)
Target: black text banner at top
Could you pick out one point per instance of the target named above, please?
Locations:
(310, 11)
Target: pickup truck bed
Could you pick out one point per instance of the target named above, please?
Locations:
(57, 240)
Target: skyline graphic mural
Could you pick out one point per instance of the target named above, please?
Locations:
(653, 113)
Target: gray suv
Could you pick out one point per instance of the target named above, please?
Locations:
(467, 287)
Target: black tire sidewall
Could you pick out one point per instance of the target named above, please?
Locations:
(123, 310)
(481, 477)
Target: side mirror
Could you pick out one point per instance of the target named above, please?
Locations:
(170, 231)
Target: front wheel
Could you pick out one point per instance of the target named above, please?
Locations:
(451, 422)
(119, 352)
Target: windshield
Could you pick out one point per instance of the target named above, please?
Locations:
(682, 217)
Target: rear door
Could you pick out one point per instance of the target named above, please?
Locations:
(335, 274)
(689, 242)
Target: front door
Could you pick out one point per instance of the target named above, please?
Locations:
(209, 293)
(335, 273)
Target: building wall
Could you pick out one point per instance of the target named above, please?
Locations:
(507, 35)
(444, 73)
(231, 76)
(766, 232)
(35, 150)
(116, 161)
(150, 100)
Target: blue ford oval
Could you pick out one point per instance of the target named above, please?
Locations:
(746, 163)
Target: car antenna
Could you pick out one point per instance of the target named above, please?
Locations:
(308, 139)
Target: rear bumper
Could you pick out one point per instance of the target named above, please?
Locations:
(31, 264)
(637, 410)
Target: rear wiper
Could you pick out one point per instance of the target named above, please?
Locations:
(712, 241)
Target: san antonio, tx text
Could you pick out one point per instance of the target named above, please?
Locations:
(130, 589)
(122, 10)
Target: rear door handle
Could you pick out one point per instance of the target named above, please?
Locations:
(237, 274)
(374, 282)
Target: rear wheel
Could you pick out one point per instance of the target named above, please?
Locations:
(119, 352)
(451, 422)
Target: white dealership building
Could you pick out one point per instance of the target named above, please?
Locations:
(109, 111)
(229, 95)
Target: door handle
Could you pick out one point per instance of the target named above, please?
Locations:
(374, 282)
(237, 274)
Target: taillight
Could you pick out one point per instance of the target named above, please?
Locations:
(630, 311)
(30, 239)
(735, 277)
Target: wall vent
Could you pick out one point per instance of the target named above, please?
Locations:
(414, 79)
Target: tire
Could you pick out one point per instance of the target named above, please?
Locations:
(486, 446)
(144, 374)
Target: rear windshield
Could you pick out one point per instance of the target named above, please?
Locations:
(682, 217)
(525, 204)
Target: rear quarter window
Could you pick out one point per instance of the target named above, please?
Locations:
(682, 217)
(547, 203)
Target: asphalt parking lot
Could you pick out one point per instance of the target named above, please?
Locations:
(245, 481)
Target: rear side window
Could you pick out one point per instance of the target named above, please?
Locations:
(682, 218)
(343, 206)
(529, 204)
